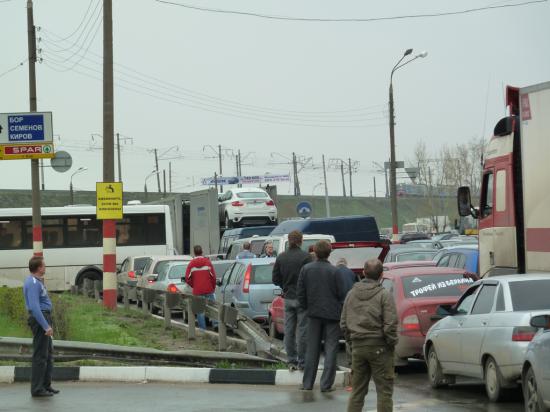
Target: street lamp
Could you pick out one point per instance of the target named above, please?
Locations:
(79, 170)
(153, 173)
(393, 180)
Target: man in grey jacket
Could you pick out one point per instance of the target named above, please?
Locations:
(285, 275)
(320, 294)
(369, 323)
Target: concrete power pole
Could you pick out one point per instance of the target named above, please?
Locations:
(118, 155)
(343, 179)
(374, 183)
(170, 176)
(157, 169)
(109, 226)
(327, 202)
(35, 166)
(297, 191)
(350, 178)
(220, 160)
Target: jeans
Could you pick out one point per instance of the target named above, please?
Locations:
(319, 329)
(375, 362)
(201, 318)
(42, 356)
(295, 332)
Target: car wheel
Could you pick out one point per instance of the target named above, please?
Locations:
(531, 393)
(494, 383)
(435, 373)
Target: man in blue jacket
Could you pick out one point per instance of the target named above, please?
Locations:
(39, 306)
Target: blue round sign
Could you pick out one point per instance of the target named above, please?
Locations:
(304, 209)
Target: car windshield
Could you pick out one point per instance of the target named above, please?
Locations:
(355, 257)
(530, 294)
(139, 263)
(424, 255)
(177, 271)
(431, 286)
(162, 267)
(251, 195)
(262, 274)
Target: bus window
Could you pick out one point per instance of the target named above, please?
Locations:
(52, 232)
(83, 231)
(11, 234)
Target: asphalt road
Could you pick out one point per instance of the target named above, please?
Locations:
(412, 394)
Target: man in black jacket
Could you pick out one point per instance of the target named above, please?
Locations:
(321, 295)
(285, 275)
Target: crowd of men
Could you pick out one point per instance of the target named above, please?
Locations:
(324, 302)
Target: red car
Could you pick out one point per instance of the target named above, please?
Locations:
(355, 253)
(418, 291)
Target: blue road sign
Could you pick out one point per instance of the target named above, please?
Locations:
(23, 128)
(304, 209)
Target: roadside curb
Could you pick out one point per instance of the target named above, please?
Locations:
(10, 374)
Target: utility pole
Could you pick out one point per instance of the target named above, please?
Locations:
(220, 160)
(164, 180)
(170, 176)
(216, 181)
(374, 183)
(295, 173)
(393, 179)
(35, 172)
(327, 202)
(109, 226)
(350, 178)
(157, 169)
(118, 154)
(387, 184)
(343, 179)
(42, 180)
(239, 167)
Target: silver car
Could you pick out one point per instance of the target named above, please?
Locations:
(486, 334)
(536, 369)
(156, 266)
(130, 270)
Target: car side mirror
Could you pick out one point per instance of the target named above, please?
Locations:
(464, 200)
(277, 292)
(541, 322)
(443, 311)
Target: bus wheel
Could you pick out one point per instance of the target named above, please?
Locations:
(92, 275)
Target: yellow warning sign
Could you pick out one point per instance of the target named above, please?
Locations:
(109, 200)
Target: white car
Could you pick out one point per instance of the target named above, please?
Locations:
(247, 206)
(486, 334)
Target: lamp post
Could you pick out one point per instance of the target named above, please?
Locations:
(393, 180)
(153, 173)
(79, 170)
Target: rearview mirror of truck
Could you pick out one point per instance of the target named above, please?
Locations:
(464, 201)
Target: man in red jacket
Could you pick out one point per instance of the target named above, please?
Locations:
(201, 276)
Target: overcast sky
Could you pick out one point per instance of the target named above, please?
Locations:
(189, 78)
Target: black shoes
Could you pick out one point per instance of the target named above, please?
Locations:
(52, 390)
(42, 394)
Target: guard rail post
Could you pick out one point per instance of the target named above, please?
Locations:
(222, 329)
(88, 287)
(167, 313)
(125, 298)
(190, 320)
(144, 303)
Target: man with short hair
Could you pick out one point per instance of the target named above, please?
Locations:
(347, 276)
(285, 275)
(320, 294)
(268, 250)
(246, 253)
(201, 276)
(39, 306)
(369, 322)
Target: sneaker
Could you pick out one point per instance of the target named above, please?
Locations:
(292, 367)
(331, 389)
(42, 394)
(52, 390)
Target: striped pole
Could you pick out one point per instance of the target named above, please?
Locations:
(37, 241)
(109, 264)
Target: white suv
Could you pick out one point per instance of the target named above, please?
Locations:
(247, 205)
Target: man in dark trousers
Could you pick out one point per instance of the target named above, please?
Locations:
(320, 294)
(285, 275)
(369, 322)
(201, 276)
(39, 306)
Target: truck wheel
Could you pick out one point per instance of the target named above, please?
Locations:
(435, 373)
(494, 383)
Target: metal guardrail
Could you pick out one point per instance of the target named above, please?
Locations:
(229, 318)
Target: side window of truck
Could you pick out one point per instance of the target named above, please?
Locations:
(487, 195)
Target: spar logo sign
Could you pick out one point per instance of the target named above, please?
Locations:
(26, 151)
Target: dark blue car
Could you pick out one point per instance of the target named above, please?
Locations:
(462, 257)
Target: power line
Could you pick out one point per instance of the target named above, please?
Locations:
(203, 96)
(357, 20)
(2, 74)
(81, 21)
